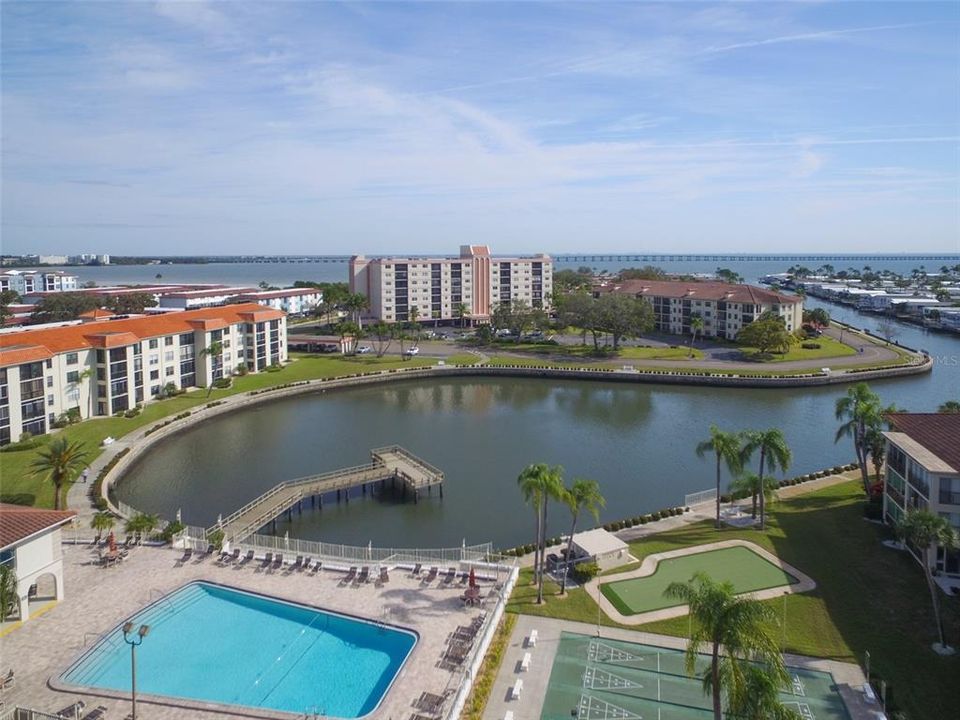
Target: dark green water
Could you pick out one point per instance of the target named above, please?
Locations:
(637, 441)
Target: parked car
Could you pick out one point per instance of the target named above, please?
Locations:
(363, 350)
(412, 351)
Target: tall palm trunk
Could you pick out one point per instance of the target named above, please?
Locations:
(715, 676)
(57, 490)
(763, 504)
(536, 546)
(718, 491)
(566, 565)
(933, 596)
(860, 446)
(543, 553)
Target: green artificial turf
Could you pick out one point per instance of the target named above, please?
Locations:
(740, 566)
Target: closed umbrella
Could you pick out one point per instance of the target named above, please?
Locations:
(473, 578)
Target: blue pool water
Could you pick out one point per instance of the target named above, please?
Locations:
(216, 644)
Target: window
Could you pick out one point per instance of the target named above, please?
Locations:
(154, 374)
(168, 372)
(50, 400)
(154, 359)
(154, 344)
(49, 364)
(73, 377)
(72, 358)
(49, 381)
(167, 341)
(168, 356)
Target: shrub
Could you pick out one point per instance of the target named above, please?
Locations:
(132, 412)
(241, 370)
(810, 346)
(274, 368)
(585, 572)
(643, 520)
(26, 442)
(172, 528)
(222, 383)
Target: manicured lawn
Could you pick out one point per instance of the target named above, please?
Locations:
(462, 359)
(867, 597)
(740, 566)
(587, 352)
(18, 484)
(829, 348)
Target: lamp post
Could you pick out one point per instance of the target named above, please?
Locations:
(133, 640)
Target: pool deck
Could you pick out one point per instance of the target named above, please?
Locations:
(98, 598)
(649, 566)
(849, 677)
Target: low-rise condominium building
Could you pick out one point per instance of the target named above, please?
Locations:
(468, 286)
(29, 281)
(922, 472)
(725, 308)
(103, 367)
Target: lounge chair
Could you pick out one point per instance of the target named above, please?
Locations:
(278, 561)
(306, 563)
(351, 574)
(432, 575)
(298, 565)
(416, 570)
(451, 574)
(317, 566)
(209, 550)
(7, 680)
(384, 575)
(187, 554)
(364, 575)
(98, 713)
(464, 577)
(430, 702)
(247, 558)
(267, 560)
(72, 711)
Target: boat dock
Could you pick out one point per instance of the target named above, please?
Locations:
(393, 464)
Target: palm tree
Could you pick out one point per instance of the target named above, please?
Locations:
(84, 374)
(739, 627)
(759, 697)
(772, 445)
(462, 312)
(877, 447)
(696, 326)
(860, 408)
(355, 304)
(748, 484)
(582, 495)
(215, 351)
(727, 447)
(950, 406)
(61, 461)
(142, 524)
(539, 483)
(414, 316)
(100, 522)
(925, 531)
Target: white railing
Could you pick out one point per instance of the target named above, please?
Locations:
(698, 498)
(353, 554)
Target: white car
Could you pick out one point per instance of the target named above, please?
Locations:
(412, 351)
(363, 350)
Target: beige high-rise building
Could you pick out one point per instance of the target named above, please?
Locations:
(438, 287)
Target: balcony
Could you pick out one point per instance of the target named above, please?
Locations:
(949, 498)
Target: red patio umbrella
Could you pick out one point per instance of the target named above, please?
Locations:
(473, 578)
(112, 542)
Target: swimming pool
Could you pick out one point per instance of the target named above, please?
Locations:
(211, 643)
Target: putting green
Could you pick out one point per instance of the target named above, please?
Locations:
(742, 567)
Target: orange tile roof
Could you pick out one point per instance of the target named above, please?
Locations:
(96, 314)
(700, 291)
(18, 522)
(17, 355)
(123, 332)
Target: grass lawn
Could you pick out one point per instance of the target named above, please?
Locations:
(742, 567)
(18, 484)
(462, 359)
(587, 352)
(829, 348)
(867, 597)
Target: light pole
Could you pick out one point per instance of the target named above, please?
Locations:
(134, 640)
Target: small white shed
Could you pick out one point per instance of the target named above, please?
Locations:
(604, 548)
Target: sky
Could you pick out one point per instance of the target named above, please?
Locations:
(339, 128)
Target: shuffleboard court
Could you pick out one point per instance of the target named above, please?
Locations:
(742, 567)
(603, 679)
